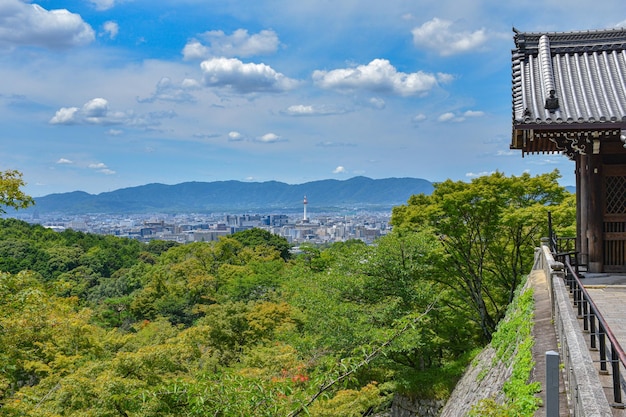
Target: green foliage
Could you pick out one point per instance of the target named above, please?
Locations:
(488, 229)
(102, 326)
(33, 247)
(435, 382)
(157, 247)
(256, 237)
(513, 343)
(11, 194)
(349, 403)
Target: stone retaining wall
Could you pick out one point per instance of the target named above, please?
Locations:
(413, 407)
(482, 380)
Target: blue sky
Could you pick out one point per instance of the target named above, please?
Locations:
(97, 95)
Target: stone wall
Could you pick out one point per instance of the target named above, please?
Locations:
(406, 407)
(409, 407)
(481, 380)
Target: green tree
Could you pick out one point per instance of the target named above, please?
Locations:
(488, 229)
(256, 237)
(20, 254)
(11, 194)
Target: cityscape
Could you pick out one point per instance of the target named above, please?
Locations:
(296, 227)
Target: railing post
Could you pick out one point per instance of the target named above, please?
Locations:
(592, 330)
(617, 387)
(552, 384)
(556, 271)
(602, 335)
(585, 303)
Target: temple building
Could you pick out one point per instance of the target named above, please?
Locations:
(569, 97)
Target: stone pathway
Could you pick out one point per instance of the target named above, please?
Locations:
(611, 300)
(545, 340)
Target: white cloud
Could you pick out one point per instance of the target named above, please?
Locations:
(103, 4)
(446, 117)
(240, 44)
(244, 77)
(235, 136)
(507, 153)
(190, 84)
(546, 161)
(474, 113)
(167, 90)
(269, 138)
(194, 50)
(96, 108)
(96, 112)
(111, 29)
(115, 132)
(300, 110)
(377, 103)
(65, 116)
(452, 117)
(378, 76)
(101, 168)
(438, 34)
(23, 24)
(420, 117)
(309, 110)
(64, 161)
(339, 170)
(444, 78)
(331, 144)
(478, 174)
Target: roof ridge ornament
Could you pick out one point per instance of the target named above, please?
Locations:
(547, 74)
(552, 102)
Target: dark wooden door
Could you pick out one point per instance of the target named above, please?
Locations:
(614, 218)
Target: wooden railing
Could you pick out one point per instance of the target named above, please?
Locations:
(586, 395)
(596, 326)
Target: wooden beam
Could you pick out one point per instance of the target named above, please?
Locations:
(595, 211)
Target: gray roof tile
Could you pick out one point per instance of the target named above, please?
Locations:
(587, 70)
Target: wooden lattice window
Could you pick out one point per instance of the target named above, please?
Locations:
(615, 195)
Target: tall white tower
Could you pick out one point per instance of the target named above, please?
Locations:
(305, 203)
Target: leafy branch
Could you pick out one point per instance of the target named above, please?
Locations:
(366, 361)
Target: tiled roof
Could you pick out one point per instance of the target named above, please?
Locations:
(586, 70)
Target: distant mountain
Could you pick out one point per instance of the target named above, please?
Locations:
(221, 196)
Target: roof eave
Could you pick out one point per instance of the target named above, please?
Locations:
(570, 126)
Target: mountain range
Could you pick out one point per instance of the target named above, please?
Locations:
(222, 196)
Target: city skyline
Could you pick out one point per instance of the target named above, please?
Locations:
(99, 95)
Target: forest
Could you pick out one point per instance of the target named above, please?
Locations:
(103, 326)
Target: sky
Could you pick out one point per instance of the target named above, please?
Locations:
(98, 95)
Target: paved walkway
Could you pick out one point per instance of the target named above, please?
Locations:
(611, 300)
(608, 293)
(545, 340)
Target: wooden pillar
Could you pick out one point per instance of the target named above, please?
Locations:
(581, 209)
(595, 220)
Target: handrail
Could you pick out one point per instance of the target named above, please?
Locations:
(588, 310)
